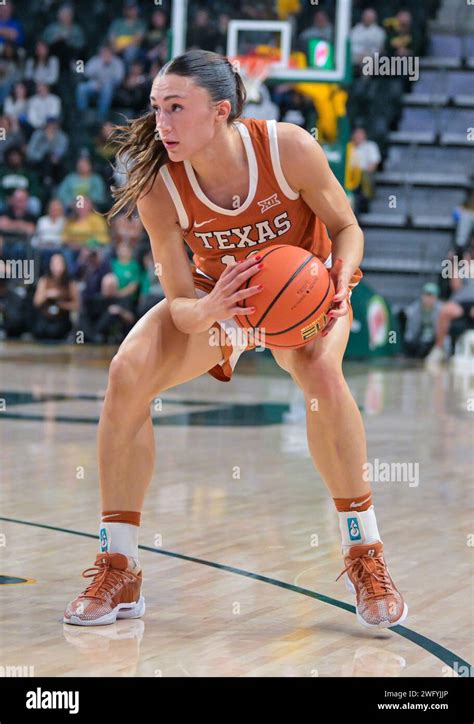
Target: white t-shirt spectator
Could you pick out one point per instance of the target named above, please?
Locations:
(40, 107)
(15, 108)
(49, 231)
(366, 154)
(45, 73)
(366, 40)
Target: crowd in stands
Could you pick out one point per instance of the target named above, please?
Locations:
(67, 73)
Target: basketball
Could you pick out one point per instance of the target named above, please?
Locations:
(291, 309)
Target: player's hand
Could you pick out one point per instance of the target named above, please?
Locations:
(221, 302)
(340, 304)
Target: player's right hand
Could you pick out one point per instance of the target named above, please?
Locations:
(221, 302)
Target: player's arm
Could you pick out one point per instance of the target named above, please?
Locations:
(158, 215)
(307, 171)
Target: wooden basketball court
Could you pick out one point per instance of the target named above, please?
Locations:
(240, 543)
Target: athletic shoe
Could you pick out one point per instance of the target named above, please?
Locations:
(114, 592)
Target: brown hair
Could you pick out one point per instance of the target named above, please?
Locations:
(141, 153)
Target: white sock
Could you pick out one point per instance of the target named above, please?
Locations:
(119, 538)
(358, 528)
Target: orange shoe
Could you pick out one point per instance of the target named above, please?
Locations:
(114, 592)
(379, 603)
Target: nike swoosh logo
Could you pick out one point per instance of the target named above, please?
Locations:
(112, 515)
(357, 505)
(203, 222)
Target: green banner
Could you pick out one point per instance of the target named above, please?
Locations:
(375, 331)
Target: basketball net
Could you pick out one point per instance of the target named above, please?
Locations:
(254, 70)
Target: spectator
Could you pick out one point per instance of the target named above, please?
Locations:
(261, 10)
(16, 104)
(459, 308)
(85, 228)
(56, 296)
(15, 174)
(402, 38)
(18, 225)
(13, 135)
(43, 67)
(127, 271)
(120, 288)
(287, 9)
(126, 33)
(155, 41)
(46, 150)
(11, 30)
(15, 301)
(11, 67)
(367, 37)
(221, 33)
(84, 182)
(48, 238)
(129, 230)
(200, 34)
(322, 28)
(421, 318)
(42, 105)
(134, 91)
(464, 218)
(64, 37)
(105, 72)
(93, 266)
(104, 149)
(119, 315)
(366, 156)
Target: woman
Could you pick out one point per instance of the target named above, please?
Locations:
(16, 105)
(42, 67)
(193, 165)
(56, 296)
(11, 68)
(84, 227)
(120, 295)
(49, 230)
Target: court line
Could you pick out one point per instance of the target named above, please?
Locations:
(433, 648)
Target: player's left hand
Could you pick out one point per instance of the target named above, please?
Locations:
(340, 304)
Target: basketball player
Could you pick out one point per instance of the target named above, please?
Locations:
(230, 188)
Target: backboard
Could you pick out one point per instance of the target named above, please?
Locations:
(308, 46)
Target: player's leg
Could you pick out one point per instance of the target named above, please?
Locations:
(336, 435)
(448, 313)
(154, 357)
(337, 443)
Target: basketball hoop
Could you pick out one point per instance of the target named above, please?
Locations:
(254, 70)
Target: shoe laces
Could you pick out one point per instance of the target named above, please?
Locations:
(104, 578)
(371, 572)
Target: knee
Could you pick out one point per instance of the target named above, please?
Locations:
(135, 375)
(125, 379)
(320, 378)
